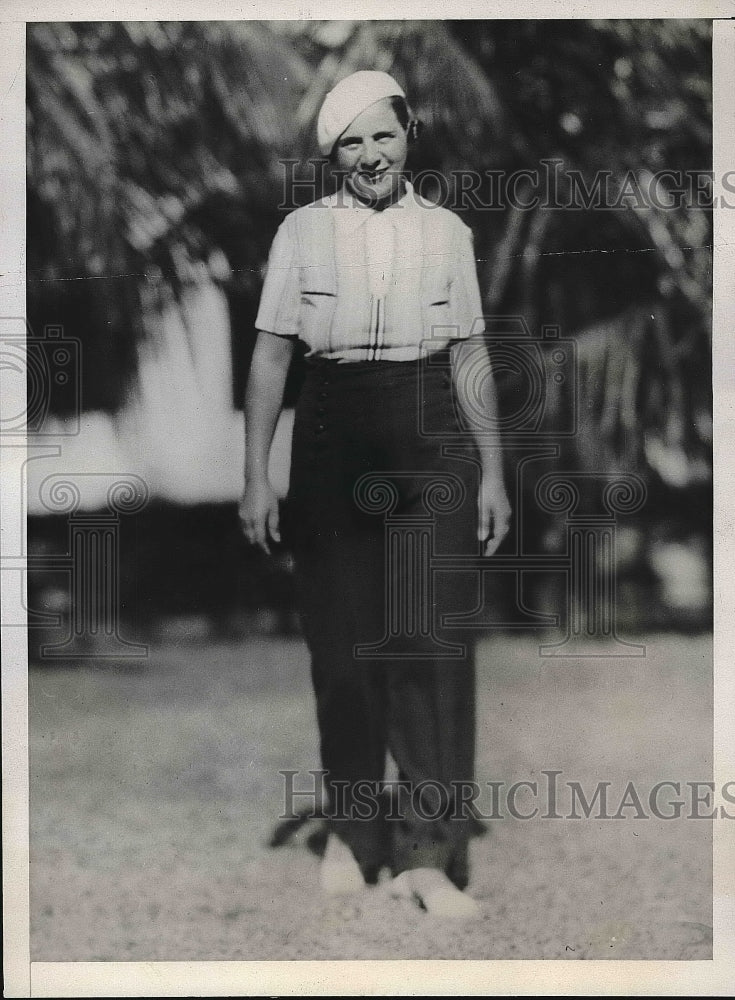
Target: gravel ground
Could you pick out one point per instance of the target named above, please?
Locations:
(154, 791)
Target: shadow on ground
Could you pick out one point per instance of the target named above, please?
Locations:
(155, 789)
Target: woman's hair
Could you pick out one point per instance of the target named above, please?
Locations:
(406, 118)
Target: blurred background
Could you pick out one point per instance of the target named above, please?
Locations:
(155, 172)
(155, 176)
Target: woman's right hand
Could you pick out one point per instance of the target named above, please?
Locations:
(258, 511)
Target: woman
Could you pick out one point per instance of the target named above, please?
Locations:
(382, 288)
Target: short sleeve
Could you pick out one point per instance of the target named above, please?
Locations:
(465, 294)
(280, 300)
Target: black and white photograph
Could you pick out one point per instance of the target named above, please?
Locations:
(360, 563)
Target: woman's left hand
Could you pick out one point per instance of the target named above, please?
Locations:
(494, 512)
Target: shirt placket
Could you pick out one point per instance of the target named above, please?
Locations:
(380, 248)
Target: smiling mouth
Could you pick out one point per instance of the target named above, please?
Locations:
(372, 176)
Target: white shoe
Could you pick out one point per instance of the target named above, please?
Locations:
(436, 893)
(340, 874)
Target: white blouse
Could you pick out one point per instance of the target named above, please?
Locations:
(361, 285)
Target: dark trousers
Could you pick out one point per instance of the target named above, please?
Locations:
(372, 498)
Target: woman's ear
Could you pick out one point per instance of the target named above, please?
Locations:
(414, 130)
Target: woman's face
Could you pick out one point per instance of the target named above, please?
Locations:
(372, 152)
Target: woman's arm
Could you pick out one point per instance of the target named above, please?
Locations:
(263, 399)
(471, 367)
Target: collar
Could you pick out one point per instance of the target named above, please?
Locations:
(351, 213)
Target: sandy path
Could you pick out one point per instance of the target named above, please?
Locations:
(154, 790)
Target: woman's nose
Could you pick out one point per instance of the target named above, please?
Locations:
(370, 156)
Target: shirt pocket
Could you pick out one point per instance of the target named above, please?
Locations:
(318, 304)
(437, 302)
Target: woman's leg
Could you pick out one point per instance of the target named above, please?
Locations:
(350, 707)
(431, 736)
(431, 688)
(336, 555)
(423, 708)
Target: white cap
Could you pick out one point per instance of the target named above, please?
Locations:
(348, 99)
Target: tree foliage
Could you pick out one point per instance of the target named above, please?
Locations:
(154, 148)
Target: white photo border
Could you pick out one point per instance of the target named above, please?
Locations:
(520, 978)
